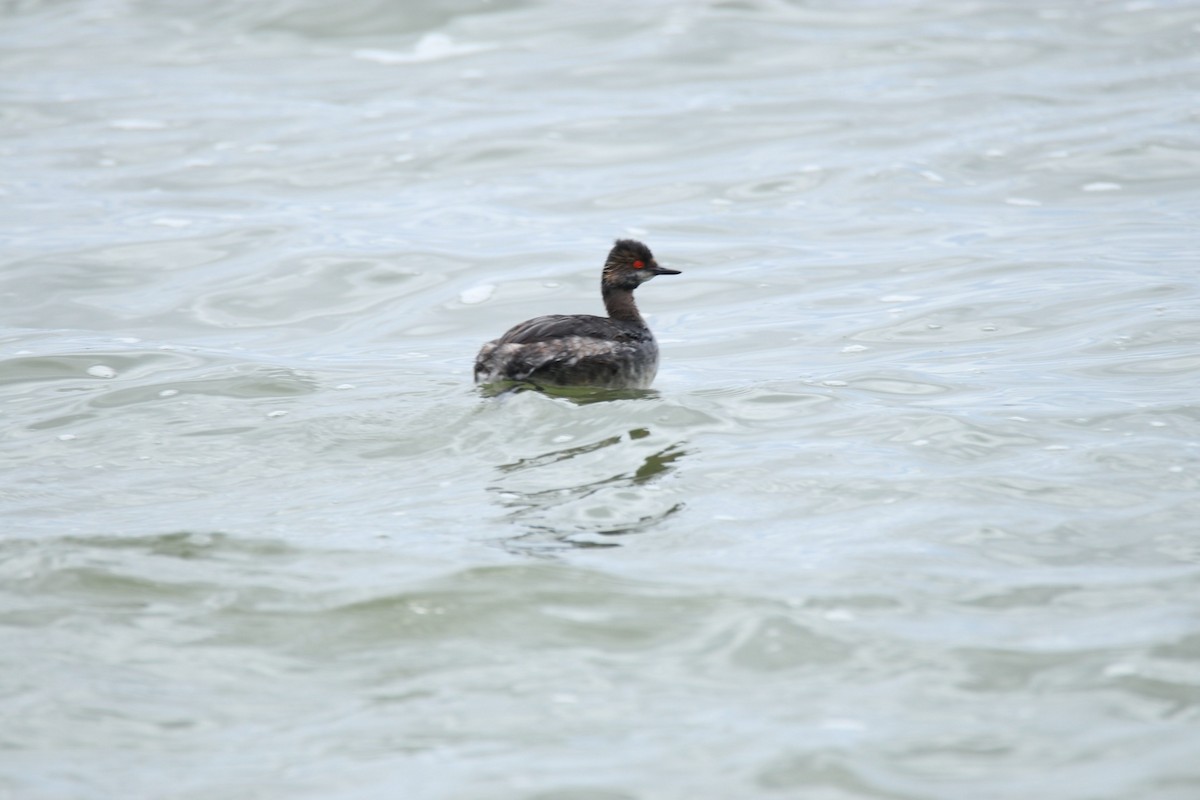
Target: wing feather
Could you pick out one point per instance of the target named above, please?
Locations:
(562, 326)
(570, 350)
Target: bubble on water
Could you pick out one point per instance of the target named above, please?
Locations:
(137, 124)
(430, 47)
(476, 294)
(101, 371)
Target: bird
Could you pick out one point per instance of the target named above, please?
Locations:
(614, 352)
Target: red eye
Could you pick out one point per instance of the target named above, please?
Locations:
(638, 265)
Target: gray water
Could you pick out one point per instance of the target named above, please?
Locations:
(910, 513)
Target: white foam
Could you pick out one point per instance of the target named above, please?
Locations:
(476, 294)
(137, 124)
(430, 47)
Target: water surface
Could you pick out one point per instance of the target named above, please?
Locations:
(910, 512)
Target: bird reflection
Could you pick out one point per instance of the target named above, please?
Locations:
(580, 496)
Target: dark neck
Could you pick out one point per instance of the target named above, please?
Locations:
(620, 306)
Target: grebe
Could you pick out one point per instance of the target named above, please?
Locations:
(615, 352)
